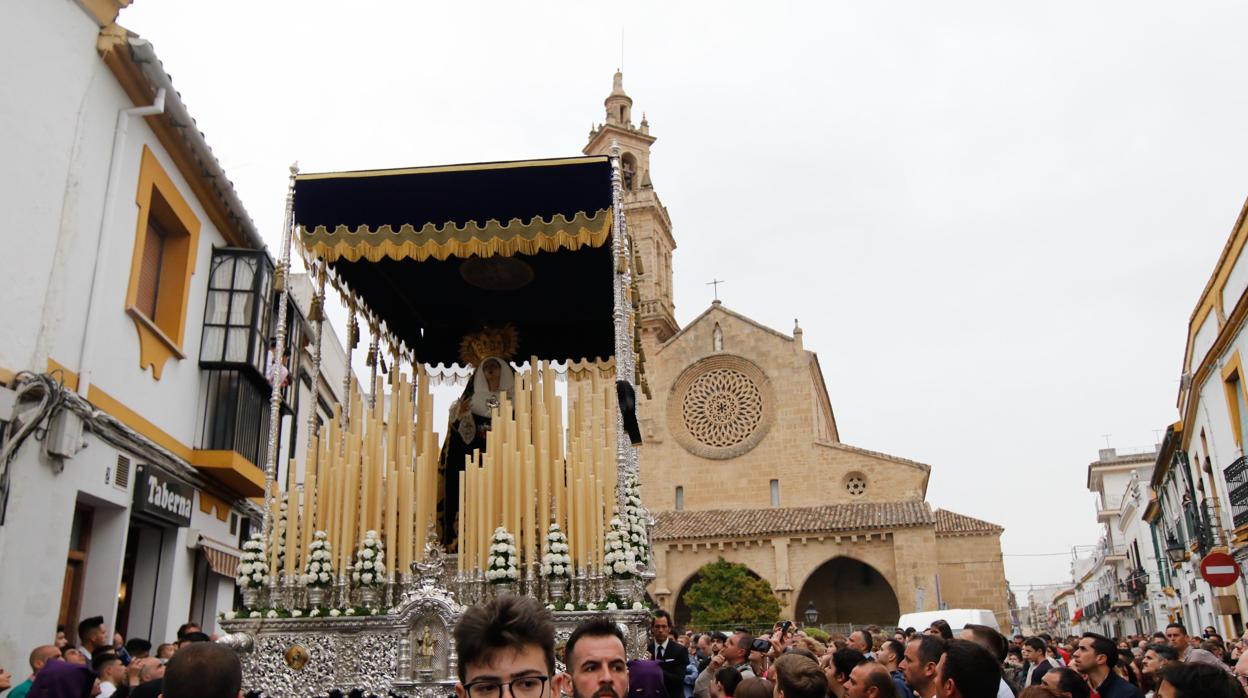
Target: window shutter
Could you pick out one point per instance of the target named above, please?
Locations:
(149, 271)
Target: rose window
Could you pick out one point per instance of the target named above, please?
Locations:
(722, 408)
(856, 485)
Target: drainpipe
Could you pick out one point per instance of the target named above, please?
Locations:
(114, 170)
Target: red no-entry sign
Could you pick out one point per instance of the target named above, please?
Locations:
(1219, 569)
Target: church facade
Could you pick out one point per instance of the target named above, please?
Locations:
(742, 458)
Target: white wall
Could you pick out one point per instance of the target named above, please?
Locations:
(57, 120)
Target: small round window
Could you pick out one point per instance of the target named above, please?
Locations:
(856, 484)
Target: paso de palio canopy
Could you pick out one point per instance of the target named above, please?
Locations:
(437, 253)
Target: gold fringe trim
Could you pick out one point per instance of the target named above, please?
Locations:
(450, 240)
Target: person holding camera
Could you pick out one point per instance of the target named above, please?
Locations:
(735, 653)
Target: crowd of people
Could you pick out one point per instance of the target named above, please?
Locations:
(976, 662)
(100, 667)
(509, 644)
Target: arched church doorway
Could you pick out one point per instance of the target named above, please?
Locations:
(845, 590)
(681, 614)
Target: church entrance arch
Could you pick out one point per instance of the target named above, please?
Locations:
(845, 590)
(681, 614)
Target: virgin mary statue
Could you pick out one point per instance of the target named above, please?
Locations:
(470, 416)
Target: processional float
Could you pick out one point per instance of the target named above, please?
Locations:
(523, 273)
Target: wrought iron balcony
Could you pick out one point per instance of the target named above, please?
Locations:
(1237, 490)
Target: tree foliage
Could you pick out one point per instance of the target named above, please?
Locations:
(727, 595)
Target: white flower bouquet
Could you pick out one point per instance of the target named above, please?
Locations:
(370, 570)
(253, 570)
(501, 565)
(556, 562)
(636, 517)
(621, 556)
(320, 570)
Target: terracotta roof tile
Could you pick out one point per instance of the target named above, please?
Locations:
(748, 523)
(949, 523)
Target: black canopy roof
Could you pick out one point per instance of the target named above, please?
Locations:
(400, 240)
(479, 192)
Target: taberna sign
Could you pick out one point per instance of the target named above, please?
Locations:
(163, 498)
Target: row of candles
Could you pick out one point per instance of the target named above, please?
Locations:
(534, 472)
(378, 470)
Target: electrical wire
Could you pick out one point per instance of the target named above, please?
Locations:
(51, 398)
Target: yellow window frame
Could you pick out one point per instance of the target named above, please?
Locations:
(158, 198)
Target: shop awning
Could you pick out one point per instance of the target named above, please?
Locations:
(223, 558)
(438, 253)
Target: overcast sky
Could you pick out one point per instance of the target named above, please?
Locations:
(993, 219)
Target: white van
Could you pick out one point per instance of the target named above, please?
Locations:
(957, 618)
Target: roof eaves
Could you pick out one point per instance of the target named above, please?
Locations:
(144, 56)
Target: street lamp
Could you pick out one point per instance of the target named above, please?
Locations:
(1175, 551)
(811, 613)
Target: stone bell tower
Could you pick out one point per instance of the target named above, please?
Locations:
(647, 218)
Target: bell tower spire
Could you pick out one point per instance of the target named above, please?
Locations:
(648, 222)
(619, 105)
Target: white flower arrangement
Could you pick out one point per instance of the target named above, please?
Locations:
(569, 607)
(271, 614)
(253, 570)
(501, 567)
(231, 615)
(556, 562)
(320, 570)
(637, 606)
(634, 517)
(612, 607)
(296, 613)
(621, 557)
(254, 614)
(334, 613)
(314, 613)
(369, 570)
(350, 611)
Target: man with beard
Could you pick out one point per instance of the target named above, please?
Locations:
(920, 663)
(596, 660)
(1095, 657)
(508, 642)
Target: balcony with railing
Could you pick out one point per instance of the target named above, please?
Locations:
(1237, 490)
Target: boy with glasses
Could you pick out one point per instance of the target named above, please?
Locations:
(505, 646)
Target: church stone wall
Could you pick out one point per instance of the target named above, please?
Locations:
(914, 551)
(972, 574)
(810, 473)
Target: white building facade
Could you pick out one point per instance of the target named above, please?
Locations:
(1125, 593)
(137, 313)
(1199, 483)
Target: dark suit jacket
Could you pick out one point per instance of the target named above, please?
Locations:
(1041, 669)
(674, 662)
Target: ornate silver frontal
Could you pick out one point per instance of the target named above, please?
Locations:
(408, 652)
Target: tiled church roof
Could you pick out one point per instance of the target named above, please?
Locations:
(949, 523)
(749, 523)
